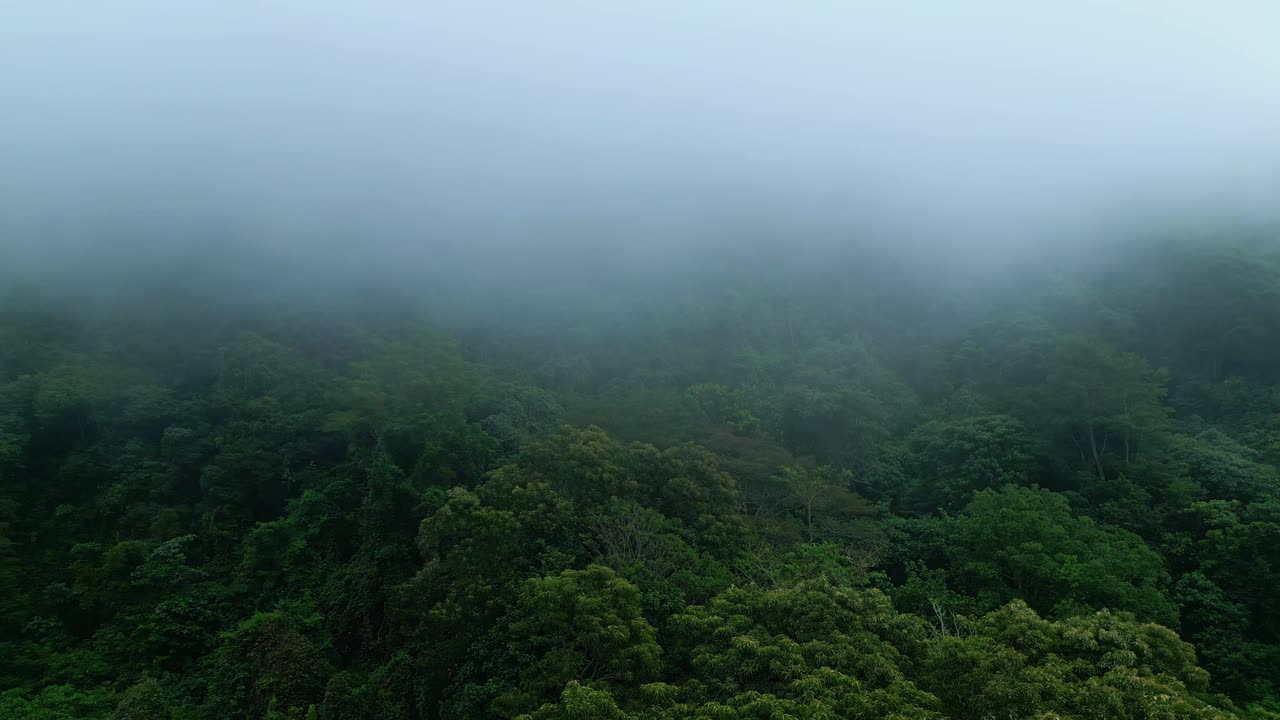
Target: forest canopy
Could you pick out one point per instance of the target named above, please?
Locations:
(838, 488)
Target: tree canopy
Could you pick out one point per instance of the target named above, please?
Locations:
(795, 490)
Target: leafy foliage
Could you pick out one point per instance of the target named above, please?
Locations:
(782, 489)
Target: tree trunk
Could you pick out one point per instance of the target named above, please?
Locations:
(1097, 457)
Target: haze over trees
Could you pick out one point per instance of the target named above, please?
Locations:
(689, 361)
(681, 507)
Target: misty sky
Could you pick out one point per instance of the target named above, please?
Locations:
(434, 122)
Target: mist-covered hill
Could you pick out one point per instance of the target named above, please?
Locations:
(851, 486)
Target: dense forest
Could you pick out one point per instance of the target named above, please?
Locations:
(837, 483)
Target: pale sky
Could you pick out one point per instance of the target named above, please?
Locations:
(450, 121)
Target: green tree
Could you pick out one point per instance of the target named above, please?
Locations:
(826, 508)
(1013, 663)
(948, 460)
(1025, 543)
(1109, 403)
(580, 626)
(809, 650)
(144, 701)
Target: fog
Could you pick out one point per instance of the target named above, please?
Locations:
(502, 133)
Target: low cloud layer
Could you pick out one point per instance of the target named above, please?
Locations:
(644, 127)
